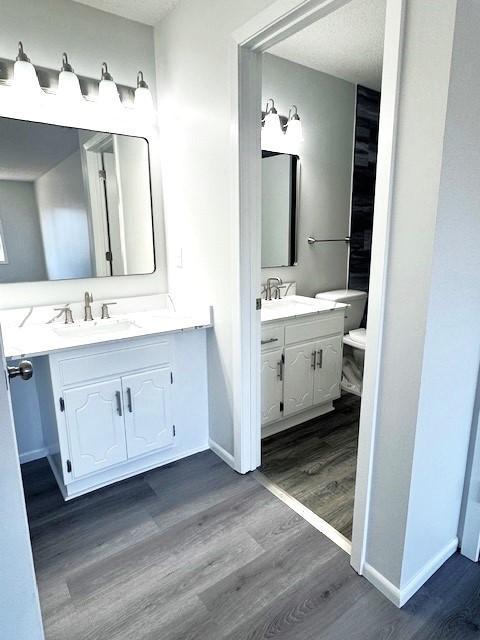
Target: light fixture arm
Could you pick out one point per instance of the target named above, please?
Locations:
(66, 66)
(293, 116)
(105, 73)
(22, 56)
(270, 109)
(141, 84)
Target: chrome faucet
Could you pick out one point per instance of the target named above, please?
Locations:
(269, 288)
(88, 308)
(63, 310)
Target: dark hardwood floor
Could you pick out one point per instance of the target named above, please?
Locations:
(315, 463)
(193, 551)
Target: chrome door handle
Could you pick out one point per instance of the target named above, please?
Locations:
(24, 370)
(320, 358)
(118, 396)
(280, 370)
(129, 400)
(269, 340)
(314, 359)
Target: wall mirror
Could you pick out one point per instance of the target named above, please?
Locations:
(73, 203)
(280, 191)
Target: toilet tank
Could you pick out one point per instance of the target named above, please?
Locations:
(356, 301)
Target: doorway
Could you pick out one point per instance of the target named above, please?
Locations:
(271, 27)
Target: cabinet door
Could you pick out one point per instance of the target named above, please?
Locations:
(328, 370)
(272, 385)
(95, 427)
(148, 414)
(299, 372)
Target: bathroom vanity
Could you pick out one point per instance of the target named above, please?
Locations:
(301, 360)
(117, 398)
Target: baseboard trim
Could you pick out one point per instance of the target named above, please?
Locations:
(400, 596)
(298, 418)
(35, 454)
(222, 453)
(427, 571)
(379, 581)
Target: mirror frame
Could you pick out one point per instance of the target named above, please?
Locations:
(294, 207)
(89, 115)
(150, 197)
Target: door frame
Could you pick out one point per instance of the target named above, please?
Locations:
(278, 21)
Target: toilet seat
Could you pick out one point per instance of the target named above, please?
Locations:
(356, 338)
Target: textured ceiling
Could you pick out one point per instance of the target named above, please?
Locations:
(146, 11)
(347, 44)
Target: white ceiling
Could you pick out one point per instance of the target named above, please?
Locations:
(146, 11)
(30, 149)
(347, 44)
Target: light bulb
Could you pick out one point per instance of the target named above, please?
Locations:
(68, 83)
(143, 97)
(272, 127)
(294, 133)
(107, 90)
(25, 79)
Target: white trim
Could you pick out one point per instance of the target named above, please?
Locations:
(34, 454)
(379, 581)
(221, 453)
(276, 22)
(401, 596)
(319, 523)
(392, 62)
(292, 421)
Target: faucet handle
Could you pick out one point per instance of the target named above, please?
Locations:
(68, 313)
(105, 310)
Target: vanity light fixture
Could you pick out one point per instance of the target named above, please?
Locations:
(294, 131)
(272, 127)
(25, 79)
(107, 89)
(143, 96)
(68, 83)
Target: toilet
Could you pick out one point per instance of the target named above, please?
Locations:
(355, 337)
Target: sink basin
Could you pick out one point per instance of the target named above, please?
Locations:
(95, 328)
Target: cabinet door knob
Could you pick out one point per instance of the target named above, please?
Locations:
(118, 396)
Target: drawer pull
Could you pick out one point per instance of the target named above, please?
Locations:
(269, 340)
(320, 359)
(118, 396)
(314, 359)
(129, 400)
(280, 370)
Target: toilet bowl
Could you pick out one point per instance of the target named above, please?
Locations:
(355, 336)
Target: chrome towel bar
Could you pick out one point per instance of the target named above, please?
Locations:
(312, 240)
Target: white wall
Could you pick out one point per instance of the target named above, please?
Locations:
(89, 36)
(452, 343)
(326, 106)
(422, 112)
(194, 71)
(22, 236)
(62, 207)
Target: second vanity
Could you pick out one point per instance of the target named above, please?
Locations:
(301, 360)
(117, 396)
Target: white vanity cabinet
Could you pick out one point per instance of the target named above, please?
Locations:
(301, 364)
(110, 411)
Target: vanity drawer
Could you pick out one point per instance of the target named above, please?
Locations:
(312, 329)
(113, 362)
(273, 337)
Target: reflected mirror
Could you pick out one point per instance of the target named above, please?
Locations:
(280, 177)
(73, 203)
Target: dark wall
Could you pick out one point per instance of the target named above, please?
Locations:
(363, 187)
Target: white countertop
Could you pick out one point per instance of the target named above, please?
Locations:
(295, 306)
(39, 338)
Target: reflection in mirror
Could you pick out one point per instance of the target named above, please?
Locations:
(73, 203)
(280, 178)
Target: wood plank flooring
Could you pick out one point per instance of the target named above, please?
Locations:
(193, 551)
(316, 461)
